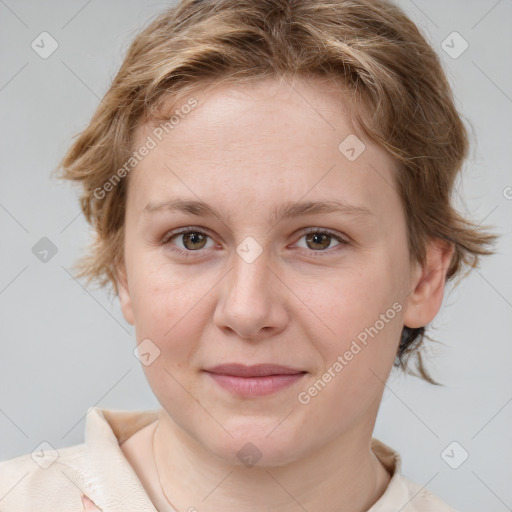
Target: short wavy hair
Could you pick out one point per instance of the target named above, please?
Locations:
(399, 97)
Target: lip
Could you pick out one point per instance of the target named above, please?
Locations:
(255, 380)
(255, 370)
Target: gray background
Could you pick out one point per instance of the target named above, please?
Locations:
(65, 348)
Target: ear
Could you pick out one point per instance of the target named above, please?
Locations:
(427, 286)
(124, 293)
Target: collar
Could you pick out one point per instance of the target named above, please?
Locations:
(115, 484)
(118, 487)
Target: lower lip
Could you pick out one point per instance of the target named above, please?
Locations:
(255, 386)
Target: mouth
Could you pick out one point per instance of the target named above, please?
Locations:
(256, 380)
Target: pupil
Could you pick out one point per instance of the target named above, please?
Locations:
(319, 238)
(195, 238)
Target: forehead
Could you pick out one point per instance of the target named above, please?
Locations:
(273, 103)
(269, 137)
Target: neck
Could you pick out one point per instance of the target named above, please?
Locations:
(344, 475)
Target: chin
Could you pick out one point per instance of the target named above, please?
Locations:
(253, 446)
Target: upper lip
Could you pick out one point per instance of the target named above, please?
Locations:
(257, 370)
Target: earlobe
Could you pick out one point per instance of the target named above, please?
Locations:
(427, 288)
(124, 294)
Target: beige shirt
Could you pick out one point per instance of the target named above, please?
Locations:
(96, 475)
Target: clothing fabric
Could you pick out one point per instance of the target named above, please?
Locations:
(95, 475)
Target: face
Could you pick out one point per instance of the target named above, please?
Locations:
(322, 292)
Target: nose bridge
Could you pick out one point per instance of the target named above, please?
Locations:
(251, 270)
(249, 302)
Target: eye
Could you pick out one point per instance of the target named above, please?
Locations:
(191, 240)
(318, 240)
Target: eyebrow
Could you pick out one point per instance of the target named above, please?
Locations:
(287, 210)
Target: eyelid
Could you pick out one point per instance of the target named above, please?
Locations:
(342, 239)
(166, 240)
(327, 231)
(183, 231)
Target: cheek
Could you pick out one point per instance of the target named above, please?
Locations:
(361, 313)
(169, 313)
(356, 362)
(162, 293)
(171, 307)
(348, 303)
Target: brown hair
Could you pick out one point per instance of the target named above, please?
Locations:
(376, 51)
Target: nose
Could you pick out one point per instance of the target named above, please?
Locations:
(252, 300)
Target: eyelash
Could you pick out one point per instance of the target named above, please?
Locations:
(169, 236)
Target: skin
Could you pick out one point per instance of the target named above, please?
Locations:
(244, 151)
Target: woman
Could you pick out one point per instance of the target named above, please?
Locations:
(270, 183)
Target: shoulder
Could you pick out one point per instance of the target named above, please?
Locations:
(94, 475)
(45, 480)
(423, 500)
(403, 494)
